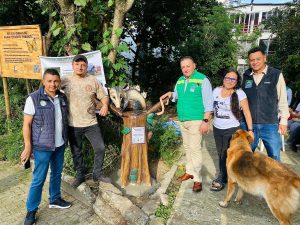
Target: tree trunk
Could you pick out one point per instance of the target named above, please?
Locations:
(121, 8)
(134, 164)
(67, 11)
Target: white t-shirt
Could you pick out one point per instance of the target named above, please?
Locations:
(223, 116)
(30, 110)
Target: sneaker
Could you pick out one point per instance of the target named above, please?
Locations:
(30, 218)
(77, 182)
(59, 203)
(102, 178)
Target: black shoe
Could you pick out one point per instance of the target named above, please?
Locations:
(102, 178)
(77, 182)
(59, 203)
(30, 218)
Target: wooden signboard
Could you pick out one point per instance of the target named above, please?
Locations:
(20, 49)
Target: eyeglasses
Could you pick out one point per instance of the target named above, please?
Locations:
(230, 79)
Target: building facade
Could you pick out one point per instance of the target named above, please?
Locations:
(249, 17)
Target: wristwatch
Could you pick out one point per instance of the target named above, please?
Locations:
(205, 120)
(250, 130)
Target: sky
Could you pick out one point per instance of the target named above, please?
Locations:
(266, 1)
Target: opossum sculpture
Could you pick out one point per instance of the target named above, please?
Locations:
(129, 98)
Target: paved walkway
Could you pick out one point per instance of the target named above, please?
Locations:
(14, 184)
(189, 208)
(202, 208)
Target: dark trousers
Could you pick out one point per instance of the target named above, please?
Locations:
(295, 137)
(222, 138)
(93, 134)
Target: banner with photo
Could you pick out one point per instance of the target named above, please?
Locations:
(64, 65)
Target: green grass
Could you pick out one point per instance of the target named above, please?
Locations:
(172, 190)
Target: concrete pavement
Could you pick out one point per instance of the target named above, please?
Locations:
(202, 208)
(189, 208)
(14, 185)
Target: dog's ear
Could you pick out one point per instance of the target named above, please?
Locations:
(235, 135)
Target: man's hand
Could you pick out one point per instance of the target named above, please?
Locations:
(251, 134)
(25, 155)
(282, 129)
(104, 110)
(204, 128)
(166, 95)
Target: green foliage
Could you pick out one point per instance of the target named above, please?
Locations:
(21, 12)
(89, 29)
(86, 46)
(80, 2)
(110, 3)
(172, 190)
(167, 30)
(68, 162)
(165, 142)
(212, 45)
(285, 47)
(118, 32)
(11, 146)
(11, 140)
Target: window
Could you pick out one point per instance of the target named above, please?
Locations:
(256, 17)
(246, 23)
(264, 16)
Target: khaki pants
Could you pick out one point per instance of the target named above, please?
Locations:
(192, 145)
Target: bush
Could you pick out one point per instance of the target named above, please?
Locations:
(11, 146)
(164, 142)
(11, 139)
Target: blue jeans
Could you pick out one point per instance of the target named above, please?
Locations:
(42, 160)
(269, 135)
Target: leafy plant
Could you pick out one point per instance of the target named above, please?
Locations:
(285, 45)
(164, 142)
(172, 190)
(11, 146)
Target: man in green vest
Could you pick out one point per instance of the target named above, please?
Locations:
(193, 93)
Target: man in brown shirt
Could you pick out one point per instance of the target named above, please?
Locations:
(79, 89)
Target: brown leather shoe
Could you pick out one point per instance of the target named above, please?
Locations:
(197, 187)
(185, 176)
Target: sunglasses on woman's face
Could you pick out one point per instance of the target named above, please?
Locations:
(230, 79)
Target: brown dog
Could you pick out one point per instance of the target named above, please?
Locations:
(260, 175)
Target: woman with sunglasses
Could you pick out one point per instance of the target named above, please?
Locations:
(229, 99)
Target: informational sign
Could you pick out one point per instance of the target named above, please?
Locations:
(138, 135)
(20, 49)
(64, 65)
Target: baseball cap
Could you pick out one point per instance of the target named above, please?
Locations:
(80, 57)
